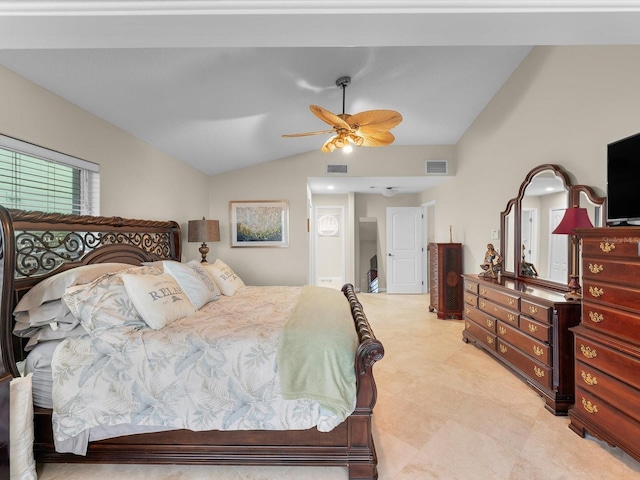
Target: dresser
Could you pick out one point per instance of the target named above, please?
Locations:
(607, 341)
(445, 284)
(526, 328)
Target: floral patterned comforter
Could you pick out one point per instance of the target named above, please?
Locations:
(215, 370)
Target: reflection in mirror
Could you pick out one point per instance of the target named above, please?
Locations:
(594, 207)
(508, 239)
(543, 255)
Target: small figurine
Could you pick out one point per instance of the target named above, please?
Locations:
(492, 266)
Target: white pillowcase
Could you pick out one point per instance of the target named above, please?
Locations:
(23, 465)
(227, 280)
(158, 298)
(44, 314)
(53, 288)
(194, 280)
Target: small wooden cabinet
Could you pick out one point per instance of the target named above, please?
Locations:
(527, 329)
(445, 282)
(607, 341)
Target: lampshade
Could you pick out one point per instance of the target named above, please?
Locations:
(204, 230)
(573, 218)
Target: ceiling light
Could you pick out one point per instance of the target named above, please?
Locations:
(331, 187)
(389, 192)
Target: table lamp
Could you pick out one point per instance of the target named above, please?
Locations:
(575, 217)
(204, 231)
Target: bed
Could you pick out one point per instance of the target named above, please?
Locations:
(36, 246)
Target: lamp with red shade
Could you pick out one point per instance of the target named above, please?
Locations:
(575, 217)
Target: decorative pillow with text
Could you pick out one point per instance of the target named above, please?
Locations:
(158, 298)
(227, 280)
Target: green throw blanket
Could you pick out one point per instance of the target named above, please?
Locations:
(317, 351)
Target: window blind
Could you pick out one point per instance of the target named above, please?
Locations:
(36, 178)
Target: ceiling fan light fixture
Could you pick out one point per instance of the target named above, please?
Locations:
(370, 128)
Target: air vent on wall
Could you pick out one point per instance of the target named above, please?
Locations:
(436, 167)
(337, 168)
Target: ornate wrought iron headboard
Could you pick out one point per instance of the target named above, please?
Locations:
(37, 245)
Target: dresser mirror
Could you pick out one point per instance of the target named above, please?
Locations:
(530, 251)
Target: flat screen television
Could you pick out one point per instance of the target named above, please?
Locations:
(623, 182)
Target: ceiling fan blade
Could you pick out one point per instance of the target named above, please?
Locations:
(375, 121)
(328, 117)
(378, 139)
(321, 132)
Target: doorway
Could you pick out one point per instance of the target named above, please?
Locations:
(368, 251)
(330, 246)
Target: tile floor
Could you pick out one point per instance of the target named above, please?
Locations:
(445, 411)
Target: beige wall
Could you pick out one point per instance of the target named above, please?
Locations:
(137, 180)
(286, 179)
(562, 105)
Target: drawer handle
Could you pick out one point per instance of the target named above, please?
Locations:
(511, 317)
(483, 305)
(595, 269)
(596, 317)
(588, 406)
(596, 292)
(533, 328)
(470, 287)
(489, 339)
(467, 324)
(512, 301)
(502, 330)
(588, 379)
(538, 371)
(533, 309)
(607, 247)
(483, 291)
(588, 352)
(503, 349)
(539, 351)
(489, 323)
(495, 309)
(467, 311)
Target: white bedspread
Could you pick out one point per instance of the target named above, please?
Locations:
(215, 370)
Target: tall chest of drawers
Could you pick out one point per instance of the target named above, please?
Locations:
(445, 287)
(607, 341)
(527, 329)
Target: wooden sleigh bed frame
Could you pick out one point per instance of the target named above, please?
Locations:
(36, 245)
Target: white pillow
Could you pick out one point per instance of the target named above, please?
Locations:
(158, 298)
(44, 314)
(227, 280)
(104, 303)
(195, 282)
(53, 288)
(23, 465)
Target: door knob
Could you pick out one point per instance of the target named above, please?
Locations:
(391, 255)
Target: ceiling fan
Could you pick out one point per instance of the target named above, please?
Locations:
(368, 129)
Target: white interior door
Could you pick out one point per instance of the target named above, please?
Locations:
(404, 250)
(528, 235)
(558, 249)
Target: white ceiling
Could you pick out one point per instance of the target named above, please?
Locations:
(216, 83)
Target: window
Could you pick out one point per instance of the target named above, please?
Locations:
(36, 178)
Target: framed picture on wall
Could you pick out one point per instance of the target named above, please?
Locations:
(259, 223)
